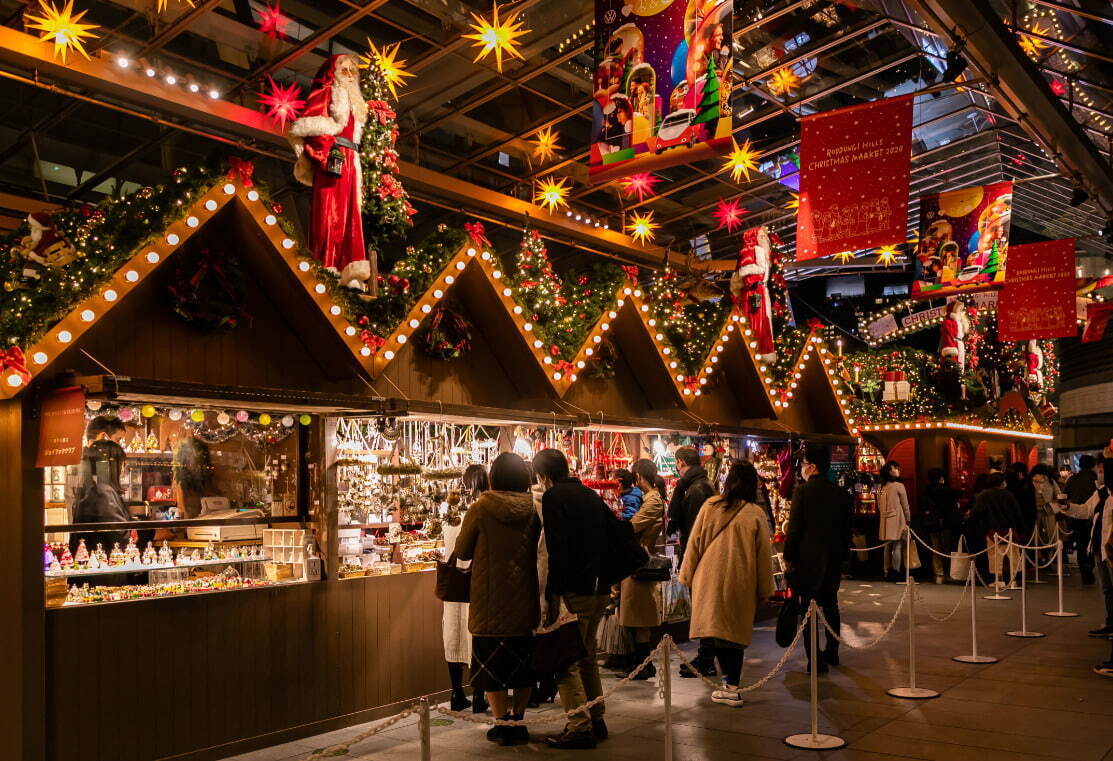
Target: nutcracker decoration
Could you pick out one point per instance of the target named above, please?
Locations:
(326, 139)
(749, 286)
(953, 332)
(1034, 356)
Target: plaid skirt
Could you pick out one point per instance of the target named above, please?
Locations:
(501, 663)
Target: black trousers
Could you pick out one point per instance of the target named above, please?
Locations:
(1081, 530)
(827, 598)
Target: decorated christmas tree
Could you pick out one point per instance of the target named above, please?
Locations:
(708, 108)
(539, 286)
(384, 199)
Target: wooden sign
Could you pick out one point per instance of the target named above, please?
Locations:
(61, 428)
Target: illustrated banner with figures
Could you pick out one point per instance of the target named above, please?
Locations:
(964, 240)
(854, 167)
(1038, 300)
(661, 85)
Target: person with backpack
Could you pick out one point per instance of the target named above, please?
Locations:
(935, 517)
(631, 495)
(576, 523)
(637, 602)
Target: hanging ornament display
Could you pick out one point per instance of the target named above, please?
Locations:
(641, 227)
(639, 185)
(283, 103)
(546, 143)
(63, 28)
(447, 335)
(742, 159)
(729, 214)
(551, 192)
(273, 22)
(496, 36)
(385, 62)
(208, 291)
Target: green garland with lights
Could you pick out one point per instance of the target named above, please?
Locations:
(689, 329)
(384, 198)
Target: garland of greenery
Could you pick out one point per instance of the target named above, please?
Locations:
(447, 335)
(689, 329)
(384, 198)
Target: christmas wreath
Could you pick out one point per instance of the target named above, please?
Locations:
(447, 336)
(208, 291)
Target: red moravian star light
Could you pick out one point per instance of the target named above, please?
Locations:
(640, 185)
(273, 22)
(282, 102)
(729, 214)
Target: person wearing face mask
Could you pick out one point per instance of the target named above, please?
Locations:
(99, 497)
(817, 542)
(892, 506)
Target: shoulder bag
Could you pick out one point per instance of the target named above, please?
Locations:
(453, 582)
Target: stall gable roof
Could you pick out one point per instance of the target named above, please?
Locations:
(156, 252)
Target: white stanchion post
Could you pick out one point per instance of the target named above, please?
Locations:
(1036, 564)
(1060, 613)
(423, 728)
(997, 585)
(814, 740)
(1023, 632)
(973, 657)
(666, 684)
(911, 692)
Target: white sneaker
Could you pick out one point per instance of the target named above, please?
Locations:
(727, 696)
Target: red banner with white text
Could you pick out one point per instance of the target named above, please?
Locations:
(854, 167)
(1038, 300)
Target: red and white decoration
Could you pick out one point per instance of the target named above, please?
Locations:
(897, 388)
(749, 286)
(854, 171)
(953, 332)
(1034, 356)
(1038, 300)
(326, 141)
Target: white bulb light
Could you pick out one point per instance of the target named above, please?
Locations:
(334, 310)
(64, 336)
(388, 354)
(39, 357)
(366, 352)
(173, 239)
(152, 257)
(15, 381)
(192, 221)
(131, 276)
(123, 62)
(253, 195)
(229, 188)
(211, 205)
(414, 324)
(87, 315)
(319, 288)
(270, 219)
(351, 331)
(110, 295)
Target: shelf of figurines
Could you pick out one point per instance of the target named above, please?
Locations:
(396, 552)
(167, 524)
(61, 564)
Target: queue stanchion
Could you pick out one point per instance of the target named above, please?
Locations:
(423, 729)
(1036, 565)
(666, 687)
(1060, 613)
(998, 587)
(911, 692)
(974, 657)
(814, 740)
(1023, 631)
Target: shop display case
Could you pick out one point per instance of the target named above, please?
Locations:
(170, 500)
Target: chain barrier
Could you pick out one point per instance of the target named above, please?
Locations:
(340, 749)
(777, 667)
(928, 547)
(965, 587)
(877, 640)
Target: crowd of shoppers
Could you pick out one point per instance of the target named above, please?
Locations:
(537, 540)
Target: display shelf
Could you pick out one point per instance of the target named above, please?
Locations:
(144, 568)
(267, 585)
(181, 523)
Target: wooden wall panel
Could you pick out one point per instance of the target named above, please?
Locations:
(209, 676)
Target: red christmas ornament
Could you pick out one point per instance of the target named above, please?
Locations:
(729, 214)
(281, 102)
(640, 185)
(272, 22)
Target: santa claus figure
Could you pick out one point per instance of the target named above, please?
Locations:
(1035, 367)
(42, 248)
(953, 332)
(326, 141)
(749, 285)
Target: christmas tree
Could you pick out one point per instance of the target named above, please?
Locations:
(708, 109)
(993, 261)
(384, 199)
(539, 286)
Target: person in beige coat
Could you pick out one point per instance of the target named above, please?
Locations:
(637, 602)
(894, 513)
(728, 565)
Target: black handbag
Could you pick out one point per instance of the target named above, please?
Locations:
(659, 568)
(453, 582)
(555, 651)
(788, 621)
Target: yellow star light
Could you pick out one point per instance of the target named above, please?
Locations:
(1033, 45)
(794, 202)
(887, 255)
(784, 82)
(551, 192)
(498, 35)
(546, 143)
(642, 227)
(63, 28)
(385, 59)
(843, 257)
(741, 160)
(160, 5)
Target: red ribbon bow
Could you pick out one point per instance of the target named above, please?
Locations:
(691, 382)
(371, 341)
(814, 323)
(381, 110)
(239, 169)
(631, 271)
(12, 359)
(477, 234)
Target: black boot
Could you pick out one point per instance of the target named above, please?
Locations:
(641, 652)
(478, 701)
(516, 735)
(459, 701)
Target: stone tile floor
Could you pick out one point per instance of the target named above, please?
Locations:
(1041, 701)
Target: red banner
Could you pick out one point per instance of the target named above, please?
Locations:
(1097, 317)
(854, 165)
(1038, 298)
(61, 428)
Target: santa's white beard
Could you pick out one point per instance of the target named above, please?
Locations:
(355, 98)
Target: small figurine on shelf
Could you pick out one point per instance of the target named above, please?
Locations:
(67, 558)
(131, 553)
(48, 557)
(102, 556)
(165, 556)
(55, 566)
(234, 554)
(149, 556)
(195, 556)
(210, 552)
(81, 557)
(116, 557)
(152, 443)
(94, 562)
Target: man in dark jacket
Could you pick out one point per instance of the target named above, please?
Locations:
(816, 544)
(574, 519)
(692, 489)
(1079, 488)
(996, 513)
(937, 517)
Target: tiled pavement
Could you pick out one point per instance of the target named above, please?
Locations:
(1041, 701)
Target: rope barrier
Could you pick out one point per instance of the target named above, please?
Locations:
(342, 748)
(948, 617)
(876, 640)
